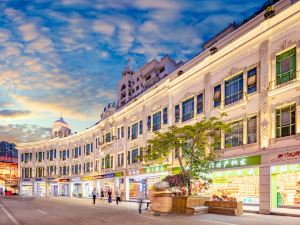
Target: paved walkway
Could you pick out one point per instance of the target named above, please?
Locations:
(69, 211)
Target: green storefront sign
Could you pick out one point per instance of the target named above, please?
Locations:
(236, 162)
(155, 169)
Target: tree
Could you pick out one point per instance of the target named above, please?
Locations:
(194, 144)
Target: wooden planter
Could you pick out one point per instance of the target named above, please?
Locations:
(226, 208)
(162, 202)
(181, 204)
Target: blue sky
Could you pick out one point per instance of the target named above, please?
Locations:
(68, 54)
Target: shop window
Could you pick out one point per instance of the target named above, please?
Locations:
(286, 67)
(252, 80)
(188, 109)
(134, 130)
(217, 96)
(165, 115)
(149, 123)
(234, 89)
(235, 136)
(285, 121)
(251, 130)
(177, 113)
(200, 104)
(141, 127)
(134, 156)
(156, 121)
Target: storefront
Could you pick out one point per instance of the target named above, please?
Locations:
(87, 183)
(39, 187)
(64, 187)
(237, 177)
(106, 182)
(141, 180)
(26, 187)
(76, 187)
(285, 180)
(52, 187)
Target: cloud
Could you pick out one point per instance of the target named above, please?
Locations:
(41, 45)
(103, 28)
(4, 35)
(28, 31)
(20, 133)
(10, 113)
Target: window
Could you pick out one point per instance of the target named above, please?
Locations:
(156, 121)
(107, 137)
(128, 132)
(135, 154)
(286, 67)
(119, 132)
(39, 156)
(63, 155)
(251, 130)
(235, 137)
(27, 172)
(134, 129)
(165, 115)
(76, 152)
(122, 132)
(177, 113)
(88, 149)
(217, 95)
(200, 103)
(51, 155)
(234, 89)
(51, 170)
(128, 157)
(141, 154)
(252, 80)
(149, 123)
(120, 159)
(39, 172)
(285, 121)
(188, 109)
(27, 157)
(108, 161)
(141, 127)
(64, 170)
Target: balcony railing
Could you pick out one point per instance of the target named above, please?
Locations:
(284, 79)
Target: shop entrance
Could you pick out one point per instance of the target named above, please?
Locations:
(243, 184)
(285, 186)
(40, 189)
(27, 189)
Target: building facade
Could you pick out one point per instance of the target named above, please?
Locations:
(251, 74)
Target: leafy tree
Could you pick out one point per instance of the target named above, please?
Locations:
(194, 144)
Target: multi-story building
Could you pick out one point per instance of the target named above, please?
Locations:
(251, 73)
(8, 167)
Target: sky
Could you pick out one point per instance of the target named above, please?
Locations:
(66, 56)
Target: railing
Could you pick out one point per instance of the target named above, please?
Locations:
(284, 79)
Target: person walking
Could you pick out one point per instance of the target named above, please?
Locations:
(141, 196)
(102, 193)
(94, 194)
(118, 196)
(109, 193)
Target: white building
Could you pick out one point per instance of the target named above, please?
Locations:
(251, 73)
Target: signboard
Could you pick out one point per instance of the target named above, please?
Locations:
(87, 178)
(75, 179)
(26, 179)
(236, 162)
(51, 178)
(64, 180)
(285, 169)
(286, 157)
(133, 172)
(103, 176)
(155, 169)
(38, 179)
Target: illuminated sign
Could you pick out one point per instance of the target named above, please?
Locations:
(154, 169)
(236, 162)
(285, 168)
(286, 157)
(103, 176)
(87, 178)
(64, 180)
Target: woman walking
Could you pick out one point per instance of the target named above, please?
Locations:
(118, 196)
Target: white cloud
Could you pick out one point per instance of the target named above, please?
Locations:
(42, 45)
(4, 35)
(28, 31)
(104, 54)
(103, 28)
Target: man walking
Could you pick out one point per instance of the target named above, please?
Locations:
(94, 194)
(118, 196)
(141, 196)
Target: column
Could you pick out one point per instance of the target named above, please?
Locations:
(264, 189)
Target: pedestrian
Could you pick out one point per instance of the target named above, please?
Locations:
(102, 193)
(94, 194)
(118, 196)
(109, 196)
(141, 196)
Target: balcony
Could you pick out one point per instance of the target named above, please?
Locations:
(285, 82)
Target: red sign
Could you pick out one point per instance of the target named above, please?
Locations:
(286, 156)
(64, 180)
